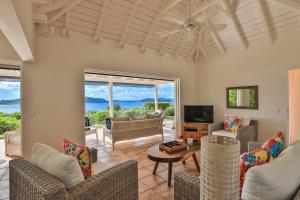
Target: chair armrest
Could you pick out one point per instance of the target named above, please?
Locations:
(246, 134)
(118, 182)
(215, 127)
(28, 181)
(254, 145)
(186, 187)
(297, 196)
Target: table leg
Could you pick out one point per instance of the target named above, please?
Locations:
(170, 174)
(196, 162)
(155, 168)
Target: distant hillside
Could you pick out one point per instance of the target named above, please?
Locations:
(159, 100)
(10, 102)
(95, 100)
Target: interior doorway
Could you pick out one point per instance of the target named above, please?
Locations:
(111, 94)
(294, 104)
(10, 113)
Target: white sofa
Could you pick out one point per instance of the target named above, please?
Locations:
(132, 129)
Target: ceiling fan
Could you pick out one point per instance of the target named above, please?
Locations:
(190, 25)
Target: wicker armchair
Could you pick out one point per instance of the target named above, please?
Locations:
(244, 134)
(186, 186)
(28, 181)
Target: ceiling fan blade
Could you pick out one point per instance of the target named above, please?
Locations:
(172, 20)
(168, 32)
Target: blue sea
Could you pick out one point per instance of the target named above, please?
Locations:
(88, 106)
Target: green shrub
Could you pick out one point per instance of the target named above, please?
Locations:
(150, 106)
(9, 122)
(170, 111)
(117, 107)
(97, 117)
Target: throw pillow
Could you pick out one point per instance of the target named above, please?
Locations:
(274, 145)
(63, 167)
(232, 123)
(278, 179)
(253, 158)
(82, 154)
(138, 117)
(269, 151)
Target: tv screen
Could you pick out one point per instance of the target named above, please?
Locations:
(200, 114)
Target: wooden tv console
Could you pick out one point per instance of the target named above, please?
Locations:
(194, 130)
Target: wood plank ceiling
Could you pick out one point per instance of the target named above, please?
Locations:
(137, 22)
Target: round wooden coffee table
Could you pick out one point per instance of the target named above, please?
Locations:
(157, 155)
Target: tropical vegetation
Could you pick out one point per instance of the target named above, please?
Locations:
(98, 118)
(9, 122)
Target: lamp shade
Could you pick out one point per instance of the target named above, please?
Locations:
(220, 169)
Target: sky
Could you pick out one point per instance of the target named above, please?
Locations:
(9, 90)
(129, 93)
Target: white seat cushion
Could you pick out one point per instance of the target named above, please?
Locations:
(63, 167)
(278, 179)
(224, 133)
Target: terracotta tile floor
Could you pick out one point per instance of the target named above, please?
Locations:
(150, 186)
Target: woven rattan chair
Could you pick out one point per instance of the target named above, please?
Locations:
(28, 181)
(187, 186)
(244, 134)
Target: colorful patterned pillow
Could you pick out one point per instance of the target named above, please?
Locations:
(232, 123)
(274, 145)
(253, 158)
(82, 154)
(269, 151)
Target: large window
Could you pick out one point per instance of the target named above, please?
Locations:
(166, 101)
(10, 117)
(97, 102)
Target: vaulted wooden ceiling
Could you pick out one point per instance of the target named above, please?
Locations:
(137, 22)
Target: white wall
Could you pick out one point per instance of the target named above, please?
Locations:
(262, 64)
(53, 86)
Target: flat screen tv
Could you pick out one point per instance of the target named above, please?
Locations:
(200, 114)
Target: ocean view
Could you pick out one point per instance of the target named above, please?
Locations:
(88, 106)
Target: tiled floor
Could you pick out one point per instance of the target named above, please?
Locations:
(150, 186)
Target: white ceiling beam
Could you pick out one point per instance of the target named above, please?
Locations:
(40, 1)
(129, 20)
(152, 28)
(170, 4)
(204, 6)
(175, 55)
(198, 46)
(100, 20)
(52, 6)
(63, 11)
(13, 31)
(216, 38)
(264, 20)
(65, 30)
(162, 49)
(40, 18)
(226, 9)
(289, 4)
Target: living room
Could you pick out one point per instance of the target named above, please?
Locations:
(257, 46)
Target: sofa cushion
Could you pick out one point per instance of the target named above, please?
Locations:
(14, 138)
(82, 154)
(61, 166)
(245, 121)
(232, 123)
(224, 133)
(278, 179)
